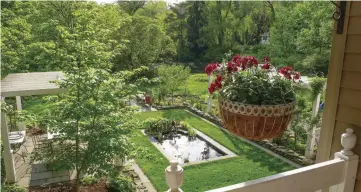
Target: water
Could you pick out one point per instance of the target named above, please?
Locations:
(189, 150)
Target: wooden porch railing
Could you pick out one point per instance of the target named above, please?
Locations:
(337, 175)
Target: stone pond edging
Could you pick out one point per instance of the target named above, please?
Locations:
(282, 151)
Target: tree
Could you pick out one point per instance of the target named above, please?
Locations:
(171, 77)
(16, 35)
(196, 21)
(177, 28)
(131, 6)
(94, 123)
(300, 35)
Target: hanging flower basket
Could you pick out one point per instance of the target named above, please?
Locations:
(256, 101)
(255, 122)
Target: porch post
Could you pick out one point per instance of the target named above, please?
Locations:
(19, 108)
(174, 176)
(348, 141)
(8, 156)
(311, 139)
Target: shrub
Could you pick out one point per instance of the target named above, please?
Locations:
(191, 131)
(159, 127)
(12, 188)
(120, 184)
(89, 180)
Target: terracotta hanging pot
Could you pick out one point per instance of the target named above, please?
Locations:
(255, 122)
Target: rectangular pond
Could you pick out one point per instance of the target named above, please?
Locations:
(191, 150)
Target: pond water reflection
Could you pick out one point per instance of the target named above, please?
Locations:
(189, 149)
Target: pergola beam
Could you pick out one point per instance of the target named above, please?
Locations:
(23, 84)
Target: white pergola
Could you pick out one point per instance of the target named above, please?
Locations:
(17, 85)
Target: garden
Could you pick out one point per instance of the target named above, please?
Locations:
(154, 138)
(129, 86)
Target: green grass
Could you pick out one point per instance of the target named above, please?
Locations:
(197, 83)
(36, 105)
(251, 163)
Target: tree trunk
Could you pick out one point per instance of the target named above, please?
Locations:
(77, 184)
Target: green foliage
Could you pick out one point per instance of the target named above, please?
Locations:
(317, 85)
(171, 77)
(89, 180)
(256, 87)
(12, 188)
(92, 116)
(190, 130)
(15, 116)
(160, 127)
(120, 184)
(35, 34)
(196, 21)
(301, 36)
(138, 33)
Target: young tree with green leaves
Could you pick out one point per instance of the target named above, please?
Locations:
(92, 118)
(171, 77)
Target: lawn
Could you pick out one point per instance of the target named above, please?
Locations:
(197, 84)
(251, 163)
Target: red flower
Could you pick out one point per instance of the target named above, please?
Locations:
(253, 61)
(286, 72)
(265, 66)
(266, 59)
(237, 60)
(210, 68)
(218, 82)
(212, 88)
(219, 78)
(248, 61)
(231, 67)
(296, 75)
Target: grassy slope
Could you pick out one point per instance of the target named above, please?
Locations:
(197, 83)
(252, 163)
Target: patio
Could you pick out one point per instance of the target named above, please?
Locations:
(37, 173)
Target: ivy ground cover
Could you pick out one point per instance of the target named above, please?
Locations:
(251, 162)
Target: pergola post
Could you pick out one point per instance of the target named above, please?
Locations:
(19, 108)
(8, 156)
(311, 139)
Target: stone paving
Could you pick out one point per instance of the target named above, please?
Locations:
(37, 173)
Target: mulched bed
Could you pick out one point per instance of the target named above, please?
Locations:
(70, 187)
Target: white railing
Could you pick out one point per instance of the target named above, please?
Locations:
(337, 175)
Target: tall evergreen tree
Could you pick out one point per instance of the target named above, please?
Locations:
(196, 21)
